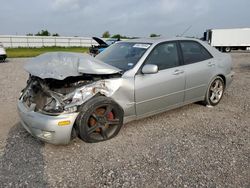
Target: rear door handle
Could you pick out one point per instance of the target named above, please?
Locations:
(210, 64)
(177, 72)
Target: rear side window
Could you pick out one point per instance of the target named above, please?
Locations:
(194, 52)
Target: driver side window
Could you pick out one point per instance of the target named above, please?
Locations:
(164, 56)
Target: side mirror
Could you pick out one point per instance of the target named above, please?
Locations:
(149, 69)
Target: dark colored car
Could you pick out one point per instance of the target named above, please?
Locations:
(96, 49)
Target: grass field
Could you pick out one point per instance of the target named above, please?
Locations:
(32, 52)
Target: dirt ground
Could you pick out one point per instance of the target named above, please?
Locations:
(192, 146)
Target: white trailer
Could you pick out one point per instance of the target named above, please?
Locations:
(228, 39)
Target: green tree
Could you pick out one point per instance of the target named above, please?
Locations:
(154, 35)
(43, 33)
(117, 36)
(106, 34)
(55, 35)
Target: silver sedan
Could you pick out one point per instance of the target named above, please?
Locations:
(72, 94)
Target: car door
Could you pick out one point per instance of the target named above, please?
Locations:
(164, 89)
(198, 66)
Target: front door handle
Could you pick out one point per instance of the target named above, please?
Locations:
(210, 64)
(177, 72)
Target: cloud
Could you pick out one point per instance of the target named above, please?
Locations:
(168, 6)
(127, 17)
(201, 7)
(66, 5)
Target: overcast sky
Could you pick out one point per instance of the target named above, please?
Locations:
(126, 17)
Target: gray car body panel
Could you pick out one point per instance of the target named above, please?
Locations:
(60, 65)
(141, 95)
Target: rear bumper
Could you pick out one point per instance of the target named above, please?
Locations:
(229, 78)
(45, 127)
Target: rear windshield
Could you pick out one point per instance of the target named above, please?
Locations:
(123, 55)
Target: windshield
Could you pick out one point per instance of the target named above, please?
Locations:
(123, 55)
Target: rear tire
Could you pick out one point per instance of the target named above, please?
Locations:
(2, 58)
(215, 92)
(227, 49)
(99, 119)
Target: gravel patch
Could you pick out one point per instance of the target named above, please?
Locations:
(22, 164)
(192, 146)
(12, 81)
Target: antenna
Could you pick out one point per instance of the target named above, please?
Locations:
(186, 30)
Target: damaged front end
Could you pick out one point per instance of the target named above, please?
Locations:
(48, 108)
(54, 97)
(59, 82)
(50, 103)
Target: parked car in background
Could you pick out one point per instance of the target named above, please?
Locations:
(3, 54)
(76, 94)
(96, 49)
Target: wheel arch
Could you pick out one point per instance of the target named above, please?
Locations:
(214, 77)
(223, 78)
(92, 98)
(217, 76)
(110, 98)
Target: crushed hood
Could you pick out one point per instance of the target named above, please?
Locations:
(100, 41)
(60, 65)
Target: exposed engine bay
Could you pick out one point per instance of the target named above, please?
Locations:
(53, 97)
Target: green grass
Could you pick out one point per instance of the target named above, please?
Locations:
(32, 52)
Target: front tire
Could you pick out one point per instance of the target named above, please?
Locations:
(215, 92)
(99, 119)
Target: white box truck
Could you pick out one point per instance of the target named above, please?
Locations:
(228, 39)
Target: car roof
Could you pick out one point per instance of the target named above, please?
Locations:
(156, 40)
